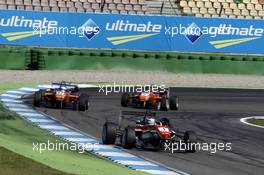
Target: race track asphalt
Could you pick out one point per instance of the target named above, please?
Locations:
(212, 113)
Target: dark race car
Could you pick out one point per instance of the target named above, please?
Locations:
(160, 100)
(62, 95)
(148, 133)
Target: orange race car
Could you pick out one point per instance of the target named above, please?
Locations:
(158, 99)
(62, 95)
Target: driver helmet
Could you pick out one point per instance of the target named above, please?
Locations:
(150, 121)
(63, 88)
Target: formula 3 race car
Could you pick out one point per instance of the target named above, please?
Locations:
(148, 133)
(62, 95)
(159, 100)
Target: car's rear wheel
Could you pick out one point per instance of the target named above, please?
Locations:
(190, 139)
(174, 103)
(75, 105)
(128, 138)
(59, 104)
(109, 133)
(163, 104)
(83, 102)
(125, 99)
(37, 98)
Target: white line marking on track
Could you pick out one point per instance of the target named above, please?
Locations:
(158, 172)
(80, 139)
(53, 127)
(127, 162)
(11, 100)
(16, 105)
(41, 120)
(11, 95)
(116, 154)
(48, 86)
(29, 89)
(244, 120)
(103, 146)
(18, 92)
(86, 85)
(29, 114)
(22, 109)
(61, 133)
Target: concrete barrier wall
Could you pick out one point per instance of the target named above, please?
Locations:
(12, 58)
(53, 59)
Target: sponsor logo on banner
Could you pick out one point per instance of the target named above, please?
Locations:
(31, 27)
(135, 32)
(148, 29)
(191, 34)
(23, 22)
(90, 29)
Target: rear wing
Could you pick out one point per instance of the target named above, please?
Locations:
(131, 114)
(136, 113)
(63, 84)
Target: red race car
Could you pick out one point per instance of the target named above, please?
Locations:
(148, 133)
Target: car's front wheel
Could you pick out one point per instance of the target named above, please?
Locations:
(109, 133)
(190, 139)
(83, 102)
(125, 99)
(163, 104)
(174, 103)
(37, 98)
(128, 138)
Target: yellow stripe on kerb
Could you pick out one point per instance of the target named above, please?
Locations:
(225, 43)
(125, 39)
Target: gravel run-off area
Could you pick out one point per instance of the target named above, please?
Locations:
(134, 77)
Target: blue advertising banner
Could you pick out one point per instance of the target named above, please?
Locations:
(135, 32)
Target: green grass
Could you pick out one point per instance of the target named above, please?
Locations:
(18, 136)
(12, 163)
(259, 122)
(7, 86)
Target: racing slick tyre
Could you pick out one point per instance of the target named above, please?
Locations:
(59, 104)
(83, 102)
(190, 139)
(125, 99)
(37, 98)
(128, 138)
(109, 133)
(163, 104)
(174, 103)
